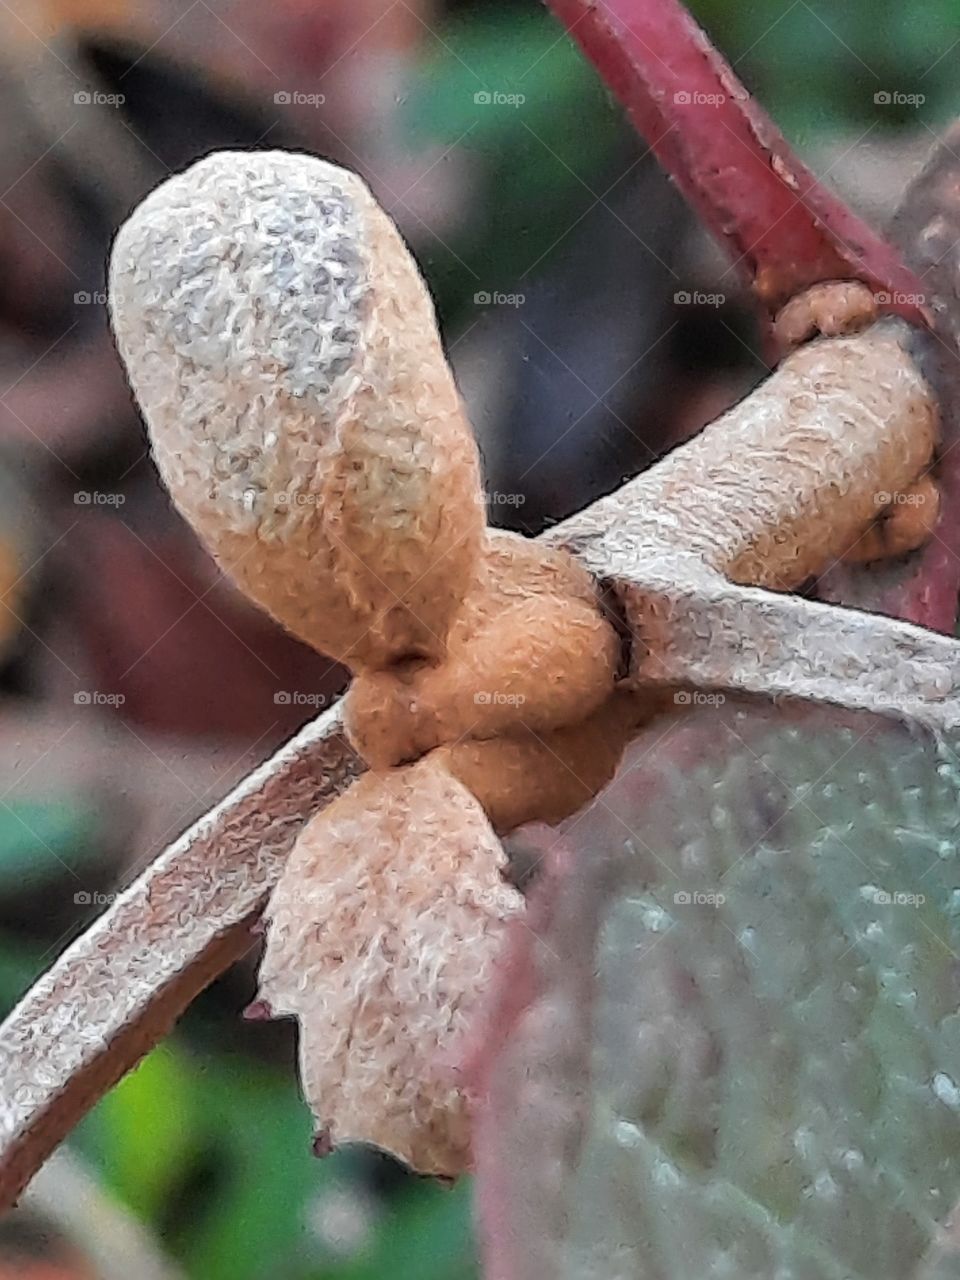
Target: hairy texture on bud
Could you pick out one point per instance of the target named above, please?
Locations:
(381, 933)
(534, 611)
(284, 351)
(285, 354)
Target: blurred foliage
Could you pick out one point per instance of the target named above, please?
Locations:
(38, 838)
(816, 66)
(211, 1150)
(214, 1156)
(539, 163)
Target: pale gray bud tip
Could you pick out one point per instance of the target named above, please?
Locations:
(246, 268)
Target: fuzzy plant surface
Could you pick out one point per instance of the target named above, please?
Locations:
(735, 1047)
(716, 1053)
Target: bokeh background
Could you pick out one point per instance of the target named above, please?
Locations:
(591, 325)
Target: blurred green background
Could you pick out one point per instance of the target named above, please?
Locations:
(207, 1144)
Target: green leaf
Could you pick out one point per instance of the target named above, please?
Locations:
(255, 1223)
(40, 840)
(426, 1235)
(20, 964)
(743, 1055)
(144, 1134)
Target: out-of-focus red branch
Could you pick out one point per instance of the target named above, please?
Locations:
(783, 229)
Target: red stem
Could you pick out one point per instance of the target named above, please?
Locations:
(784, 230)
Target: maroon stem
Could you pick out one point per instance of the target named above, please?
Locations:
(783, 229)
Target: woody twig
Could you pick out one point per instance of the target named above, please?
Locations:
(285, 354)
